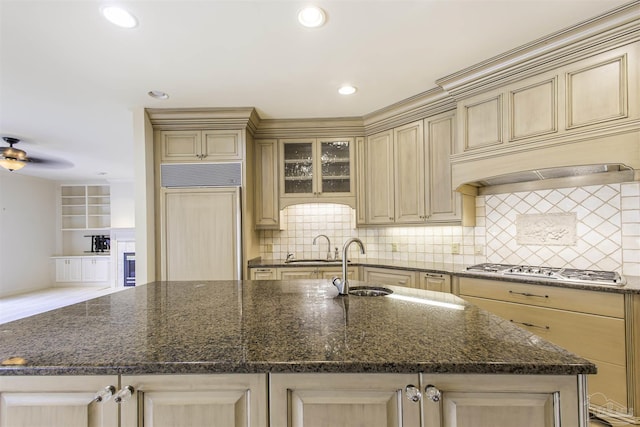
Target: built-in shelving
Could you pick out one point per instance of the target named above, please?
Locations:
(85, 207)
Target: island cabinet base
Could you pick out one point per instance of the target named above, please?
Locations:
(446, 400)
(56, 401)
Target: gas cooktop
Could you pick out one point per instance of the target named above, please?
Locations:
(552, 273)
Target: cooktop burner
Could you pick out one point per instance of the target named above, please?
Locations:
(552, 273)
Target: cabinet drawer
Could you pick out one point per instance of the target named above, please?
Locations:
(383, 276)
(591, 336)
(602, 303)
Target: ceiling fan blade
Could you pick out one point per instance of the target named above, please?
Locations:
(49, 163)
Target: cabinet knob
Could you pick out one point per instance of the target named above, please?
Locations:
(123, 394)
(432, 393)
(104, 394)
(413, 393)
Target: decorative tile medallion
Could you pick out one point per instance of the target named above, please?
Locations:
(546, 229)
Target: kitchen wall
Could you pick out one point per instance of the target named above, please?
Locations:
(607, 232)
(27, 237)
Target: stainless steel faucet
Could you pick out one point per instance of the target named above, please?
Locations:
(328, 244)
(343, 285)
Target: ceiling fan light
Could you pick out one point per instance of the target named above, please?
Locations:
(12, 164)
(119, 16)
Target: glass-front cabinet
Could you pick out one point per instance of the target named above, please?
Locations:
(320, 168)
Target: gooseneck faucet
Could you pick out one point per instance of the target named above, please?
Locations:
(343, 285)
(328, 244)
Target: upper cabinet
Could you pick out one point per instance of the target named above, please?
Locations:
(266, 207)
(405, 175)
(563, 116)
(85, 207)
(196, 145)
(316, 170)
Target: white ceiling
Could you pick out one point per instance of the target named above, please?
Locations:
(69, 79)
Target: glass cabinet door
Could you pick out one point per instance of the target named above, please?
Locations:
(298, 167)
(335, 166)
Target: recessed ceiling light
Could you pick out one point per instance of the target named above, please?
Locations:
(312, 17)
(118, 16)
(158, 94)
(347, 90)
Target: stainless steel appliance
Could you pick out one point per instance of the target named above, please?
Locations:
(572, 275)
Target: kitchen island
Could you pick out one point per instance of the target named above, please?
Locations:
(294, 347)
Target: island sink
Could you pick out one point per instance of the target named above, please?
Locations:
(369, 291)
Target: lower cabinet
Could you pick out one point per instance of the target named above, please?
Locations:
(435, 282)
(221, 400)
(293, 273)
(388, 276)
(89, 269)
(263, 274)
(588, 323)
(52, 401)
(444, 400)
(293, 400)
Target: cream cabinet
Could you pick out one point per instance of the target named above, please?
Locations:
(196, 145)
(389, 276)
(263, 273)
(292, 273)
(194, 224)
(57, 401)
(234, 400)
(342, 400)
(85, 207)
(316, 170)
(441, 400)
(68, 269)
(552, 108)
(501, 400)
(434, 282)
(407, 174)
(266, 204)
(588, 323)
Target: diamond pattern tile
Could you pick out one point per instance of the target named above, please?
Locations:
(599, 228)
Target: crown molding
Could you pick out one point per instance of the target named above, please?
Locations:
(418, 107)
(614, 28)
(321, 127)
(204, 118)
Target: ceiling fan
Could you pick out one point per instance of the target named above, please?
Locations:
(13, 159)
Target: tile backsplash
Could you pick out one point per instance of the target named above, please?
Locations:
(607, 232)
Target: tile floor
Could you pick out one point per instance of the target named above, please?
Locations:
(23, 305)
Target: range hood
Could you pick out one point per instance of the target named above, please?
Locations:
(556, 177)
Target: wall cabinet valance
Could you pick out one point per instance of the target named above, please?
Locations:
(590, 106)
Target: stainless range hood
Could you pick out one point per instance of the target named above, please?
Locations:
(558, 177)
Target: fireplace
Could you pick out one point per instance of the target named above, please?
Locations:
(129, 268)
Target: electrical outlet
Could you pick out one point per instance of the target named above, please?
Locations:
(268, 248)
(455, 248)
(479, 250)
(394, 247)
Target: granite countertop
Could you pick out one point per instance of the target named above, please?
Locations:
(274, 326)
(632, 285)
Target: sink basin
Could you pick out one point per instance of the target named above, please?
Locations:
(369, 291)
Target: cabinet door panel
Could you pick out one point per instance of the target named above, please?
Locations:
(409, 173)
(67, 401)
(267, 210)
(180, 145)
(379, 179)
(444, 204)
(196, 409)
(342, 400)
(298, 273)
(221, 145)
(497, 409)
(394, 277)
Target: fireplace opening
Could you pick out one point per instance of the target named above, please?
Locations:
(129, 268)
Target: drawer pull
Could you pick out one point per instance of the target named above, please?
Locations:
(527, 294)
(439, 276)
(531, 325)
